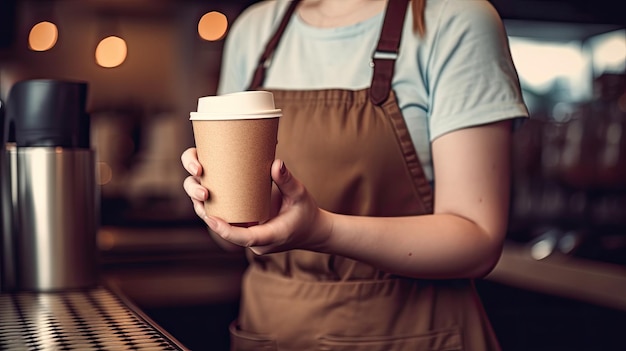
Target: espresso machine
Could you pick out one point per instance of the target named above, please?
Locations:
(50, 202)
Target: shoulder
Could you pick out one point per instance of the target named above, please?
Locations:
(463, 8)
(466, 27)
(463, 15)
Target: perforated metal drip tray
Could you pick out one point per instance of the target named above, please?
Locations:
(94, 319)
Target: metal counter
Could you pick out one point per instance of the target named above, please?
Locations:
(96, 319)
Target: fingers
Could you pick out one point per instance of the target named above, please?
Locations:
(194, 190)
(189, 159)
(238, 235)
(198, 207)
(197, 193)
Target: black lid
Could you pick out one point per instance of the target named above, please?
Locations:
(49, 113)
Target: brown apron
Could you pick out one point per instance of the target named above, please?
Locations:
(354, 153)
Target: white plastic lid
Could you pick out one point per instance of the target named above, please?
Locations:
(241, 105)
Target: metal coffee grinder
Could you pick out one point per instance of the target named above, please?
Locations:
(49, 191)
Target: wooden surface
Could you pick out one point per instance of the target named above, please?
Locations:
(561, 275)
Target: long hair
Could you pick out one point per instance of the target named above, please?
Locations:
(419, 25)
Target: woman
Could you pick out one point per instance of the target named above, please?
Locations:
(392, 172)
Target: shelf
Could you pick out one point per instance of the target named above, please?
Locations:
(561, 275)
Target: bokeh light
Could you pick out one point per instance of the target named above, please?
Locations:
(212, 26)
(111, 52)
(609, 52)
(43, 36)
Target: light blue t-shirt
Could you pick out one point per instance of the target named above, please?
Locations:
(460, 74)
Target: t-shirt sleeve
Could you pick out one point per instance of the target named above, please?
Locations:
(472, 79)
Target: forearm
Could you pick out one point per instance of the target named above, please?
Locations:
(431, 246)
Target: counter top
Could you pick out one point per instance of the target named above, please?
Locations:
(94, 319)
(562, 275)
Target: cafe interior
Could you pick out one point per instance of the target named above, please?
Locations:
(559, 285)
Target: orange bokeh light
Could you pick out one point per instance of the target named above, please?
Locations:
(212, 26)
(43, 36)
(111, 52)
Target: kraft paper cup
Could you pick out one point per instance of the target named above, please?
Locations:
(236, 137)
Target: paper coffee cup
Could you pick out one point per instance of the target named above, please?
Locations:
(236, 137)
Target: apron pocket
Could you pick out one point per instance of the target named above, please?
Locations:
(244, 341)
(437, 340)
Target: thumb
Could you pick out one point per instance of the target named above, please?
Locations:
(287, 184)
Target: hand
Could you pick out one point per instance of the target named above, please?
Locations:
(297, 222)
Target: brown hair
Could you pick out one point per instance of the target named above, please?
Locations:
(419, 25)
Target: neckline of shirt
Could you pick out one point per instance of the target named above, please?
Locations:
(351, 30)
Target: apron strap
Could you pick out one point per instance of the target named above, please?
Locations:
(384, 58)
(264, 61)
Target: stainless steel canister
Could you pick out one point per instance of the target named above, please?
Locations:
(55, 196)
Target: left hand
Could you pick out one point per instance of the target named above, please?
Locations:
(298, 222)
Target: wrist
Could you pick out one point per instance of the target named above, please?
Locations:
(324, 231)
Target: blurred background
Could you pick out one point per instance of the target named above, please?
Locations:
(561, 284)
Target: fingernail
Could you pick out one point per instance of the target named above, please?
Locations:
(283, 168)
(200, 210)
(193, 168)
(200, 194)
